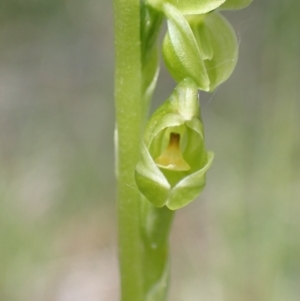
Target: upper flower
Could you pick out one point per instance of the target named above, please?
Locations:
(203, 47)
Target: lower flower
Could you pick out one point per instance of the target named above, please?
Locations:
(174, 160)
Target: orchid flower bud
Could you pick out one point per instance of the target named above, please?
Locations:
(203, 47)
(174, 160)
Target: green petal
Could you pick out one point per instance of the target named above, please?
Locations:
(189, 6)
(235, 4)
(181, 106)
(184, 100)
(224, 43)
(203, 39)
(195, 148)
(168, 120)
(196, 125)
(150, 180)
(189, 187)
(218, 44)
(181, 53)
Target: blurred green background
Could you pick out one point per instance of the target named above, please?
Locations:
(240, 241)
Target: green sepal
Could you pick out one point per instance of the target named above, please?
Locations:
(163, 185)
(188, 7)
(235, 4)
(150, 180)
(189, 187)
(218, 43)
(180, 50)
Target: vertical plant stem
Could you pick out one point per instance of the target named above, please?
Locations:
(129, 114)
(156, 229)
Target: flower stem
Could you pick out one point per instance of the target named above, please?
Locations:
(129, 115)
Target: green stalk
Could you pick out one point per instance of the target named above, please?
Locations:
(129, 115)
(157, 224)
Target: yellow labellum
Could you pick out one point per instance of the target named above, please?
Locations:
(172, 158)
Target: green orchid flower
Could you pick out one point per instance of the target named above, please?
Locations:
(174, 160)
(203, 47)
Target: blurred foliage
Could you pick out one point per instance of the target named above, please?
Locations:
(11, 9)
(239, 242)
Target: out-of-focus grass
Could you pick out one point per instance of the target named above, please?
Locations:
(239, 242)
(56, 149)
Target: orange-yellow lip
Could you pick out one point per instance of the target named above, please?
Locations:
(172, 158)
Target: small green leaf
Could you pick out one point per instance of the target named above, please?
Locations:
(235, 4)
(188, 6)
(174, 160)
(181, 52)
